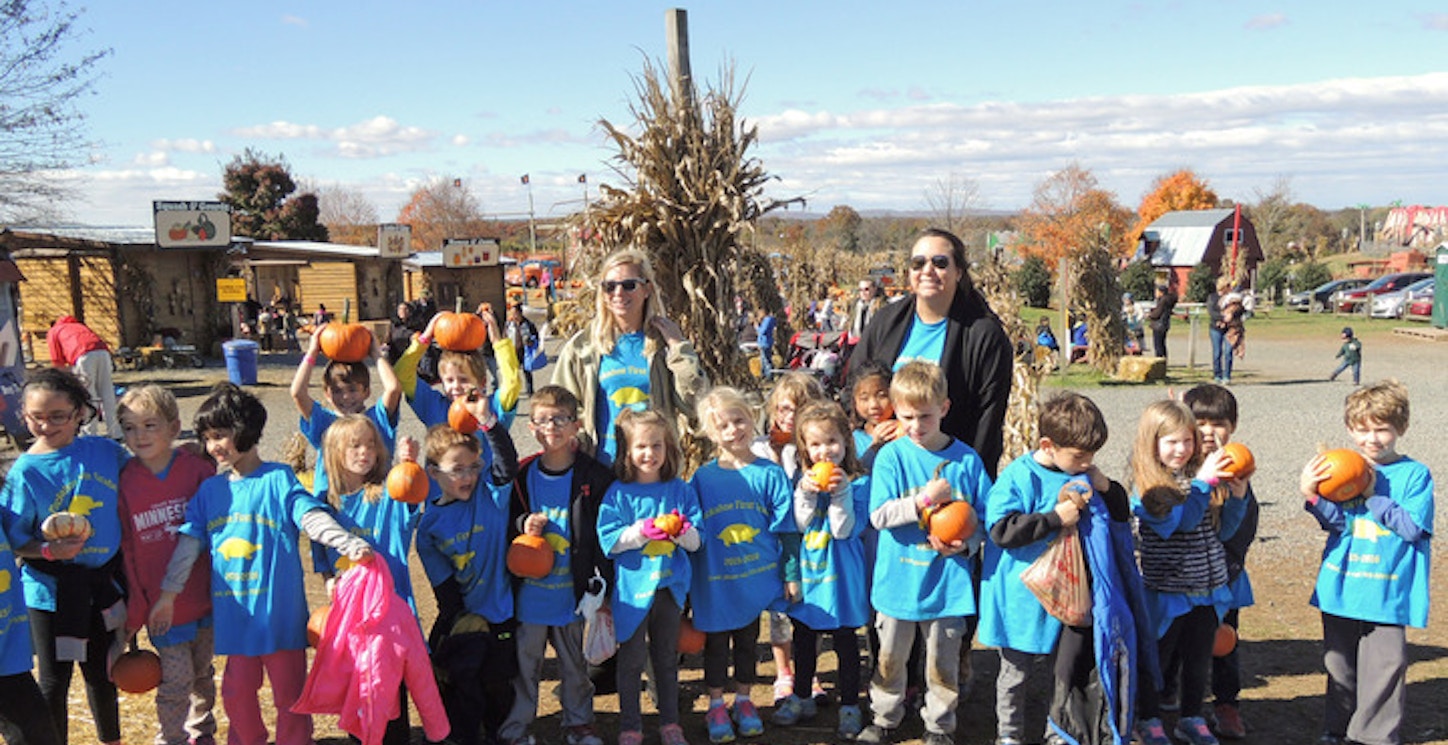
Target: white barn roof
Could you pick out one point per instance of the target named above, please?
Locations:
(1184, 236)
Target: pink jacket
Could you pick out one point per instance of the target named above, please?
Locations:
(371, 643)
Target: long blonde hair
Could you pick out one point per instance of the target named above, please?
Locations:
(344, 433)
(604, 327)
(1158, 487)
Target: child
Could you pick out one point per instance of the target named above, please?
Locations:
(459, 373)
(558, 493)
(462, 542)
(23, 710)
(1183, 565)
(346, 386)
(738, 569)
(1374, 579)
(834, 598)
(874, 416)
(73, 585)
(249, 518)
(1351, 354)
(921, 582)
(790, 394)
(356, 455)
(154, 488)
(651, 577)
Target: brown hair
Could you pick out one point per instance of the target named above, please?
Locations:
(1072, 420)
(918, 383)
(149, 399)
(1158, 487)
(344, 433)
(1385, 401)
(346, 372)
(442, 438)
(556, 396)
(796, 387)
(826, 414)
(627, 427)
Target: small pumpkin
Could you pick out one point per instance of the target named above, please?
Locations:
(691, 639)
(1238, 461)
(137, 671)
(346, 342)
(1348, 475)
(821, 473)
(407, 482)
(530, 556)
(460, 419)
(670, 523)
(62, 525)
(317, 624)
(952, 521)
(1225, 641)
(459, 332)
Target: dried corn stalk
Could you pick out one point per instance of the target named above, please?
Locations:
(1096, 293)
(1023, 409)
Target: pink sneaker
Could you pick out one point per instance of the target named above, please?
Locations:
(672, 734)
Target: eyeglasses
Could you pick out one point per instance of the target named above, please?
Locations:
(460, 473)
(627, 285)
(939, 261)
(553, 421)
(54, 419)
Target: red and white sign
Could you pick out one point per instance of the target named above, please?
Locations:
(467, 253)
(192, 224)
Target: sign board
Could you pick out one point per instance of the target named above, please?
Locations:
(231, 290)
(394, 241)
(192, 224)
(468, 253)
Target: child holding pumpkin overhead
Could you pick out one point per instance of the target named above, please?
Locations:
(1374, 579)
(922, 581)
(739, 568)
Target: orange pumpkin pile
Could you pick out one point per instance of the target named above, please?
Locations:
(137, 671)
(407, 482)
(1348, 475)
(530, 556)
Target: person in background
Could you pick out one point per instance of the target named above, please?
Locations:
(73, 345)
(1351, 355)
(524, 334)
(1135, 322)
(764, 329)
(863, 310)
(1160, 317)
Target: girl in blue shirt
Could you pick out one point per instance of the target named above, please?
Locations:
(22, 707)
(646, 517)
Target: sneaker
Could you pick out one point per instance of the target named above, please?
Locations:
(783, 688)
(718, 724)
(582, 734)
(672, 734)
(631, 737)
(817, 692)
(746, 715)
(1148, 732)
(851, 722)
(1194, 731)
(1229, 722)
(794, 710)
(938, 738)
(875, 735)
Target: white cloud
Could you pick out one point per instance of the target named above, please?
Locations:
(1266, 21)
(153, 159)
(1434, 21)
(460, 140)
(378, 137)
(184, 145)
(291, 20)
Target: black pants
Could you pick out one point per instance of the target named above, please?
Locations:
(717, 653)
(1158, 340)
(847, 656)
(1226, 672)
(478, 693)
(23, 712)
(55, 676)
(1190, 640)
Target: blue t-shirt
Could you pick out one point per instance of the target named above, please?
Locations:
(765, 331)
(468, 540)
(15, 649)
(623, 382)
(315, 429)
(81, 478)
(251, 528)
(1370, 572)
(737, 567)
(659, 565)
(924, 341)
(914, 582)
(549, 601)
(833, 572)
(1010, 615)
(387, 525)
(431, 407)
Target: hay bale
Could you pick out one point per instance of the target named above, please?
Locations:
(1141, 369)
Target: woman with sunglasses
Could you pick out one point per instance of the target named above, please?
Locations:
(629, 357)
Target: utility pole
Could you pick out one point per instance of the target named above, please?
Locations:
(532, 226)
(681, 79)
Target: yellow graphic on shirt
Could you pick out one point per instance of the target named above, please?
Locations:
(342, 564)
(82, 505)
(558, 542)
(817, 540)
(738, 533)
(1368, 530)
(4, 580)
(630, 397)
(237, 548)
(461, 561)
(659, 548)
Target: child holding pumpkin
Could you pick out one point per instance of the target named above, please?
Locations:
(61, 496)
(154, 489)
(831, 510)
(1374, 579)
(558, 493)
(921, 580)
(739, 568)
(874, 417)
(651, 574)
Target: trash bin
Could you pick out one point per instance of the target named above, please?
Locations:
(240, 357)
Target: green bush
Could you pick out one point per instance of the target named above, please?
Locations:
(1139, 279)
(1033, 282)
(1310, 275)
(1200, 283)
(1272, 279)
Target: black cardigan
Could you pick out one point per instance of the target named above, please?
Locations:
(977, 361)
(590, 480)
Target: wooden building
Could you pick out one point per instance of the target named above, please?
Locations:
(1177, 242)
(426, 274)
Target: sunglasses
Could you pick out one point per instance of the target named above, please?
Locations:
(627, 285)
(939, 261)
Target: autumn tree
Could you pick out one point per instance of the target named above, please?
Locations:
(264, 202)
(1181, 190)
(841, 228)
(442, 209)
(349, 215)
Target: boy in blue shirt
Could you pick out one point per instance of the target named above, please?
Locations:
(345, 386)
(1375, 571)
(920, 582)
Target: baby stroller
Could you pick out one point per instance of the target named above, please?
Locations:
(822, 354)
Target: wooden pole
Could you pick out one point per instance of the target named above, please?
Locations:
(681, 79)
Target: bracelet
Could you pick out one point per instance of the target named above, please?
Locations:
(424, 339)
(45, 552)
(310, 359)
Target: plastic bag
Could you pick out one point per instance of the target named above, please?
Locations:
(534, 358)
(1058, 579)
(599, 640)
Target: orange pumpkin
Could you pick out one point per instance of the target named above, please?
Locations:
(669, 523)
(952, 521)
(530, 556)
(1348, 475)
(1238, 461)
(459, 332)
(691, 640)
(317, 624)
(407, 482)
(62, 525)
(137, 671)
(346, 342)
(1225, 641)
(821, 473)
(460, 419)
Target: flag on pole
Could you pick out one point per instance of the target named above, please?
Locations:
(582, 178)
(525, 179)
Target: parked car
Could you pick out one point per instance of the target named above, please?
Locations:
(1353, 301)
(1423, 305)
(1319, 299)
(1395, 304)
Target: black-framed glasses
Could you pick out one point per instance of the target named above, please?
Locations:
(553, 421)
(939, 261)
(54, 418)
(627, 285)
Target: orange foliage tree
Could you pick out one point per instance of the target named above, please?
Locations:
(442, 209)
(1068, 212)
(1182, 190)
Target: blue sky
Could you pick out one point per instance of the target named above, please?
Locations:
(865, 104)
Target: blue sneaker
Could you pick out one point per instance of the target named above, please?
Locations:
(717, 721)
(851, 722)
(1194, 731)
(1151, 732)
(746, 715)
(794, 710)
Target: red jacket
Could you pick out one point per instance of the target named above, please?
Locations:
(152, 509)
(68, 339)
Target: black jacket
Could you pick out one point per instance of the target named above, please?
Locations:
(977, 361)
(590, 480)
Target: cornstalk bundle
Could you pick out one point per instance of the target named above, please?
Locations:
(1097, 294)
(1024, 406)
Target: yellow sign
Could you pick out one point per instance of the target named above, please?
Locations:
(231, 290)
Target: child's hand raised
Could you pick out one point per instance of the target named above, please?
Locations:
(1213, 469)
(481, 407)
(408, 449)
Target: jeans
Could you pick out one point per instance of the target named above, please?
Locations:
(1357, 368)
(1221, 355)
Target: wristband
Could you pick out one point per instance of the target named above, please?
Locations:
(424, 339)
(45, 552)
(1212, 481)
(310, 359)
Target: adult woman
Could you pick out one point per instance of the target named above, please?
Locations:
(1159, 318)
(629, 356)
(947, 321)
